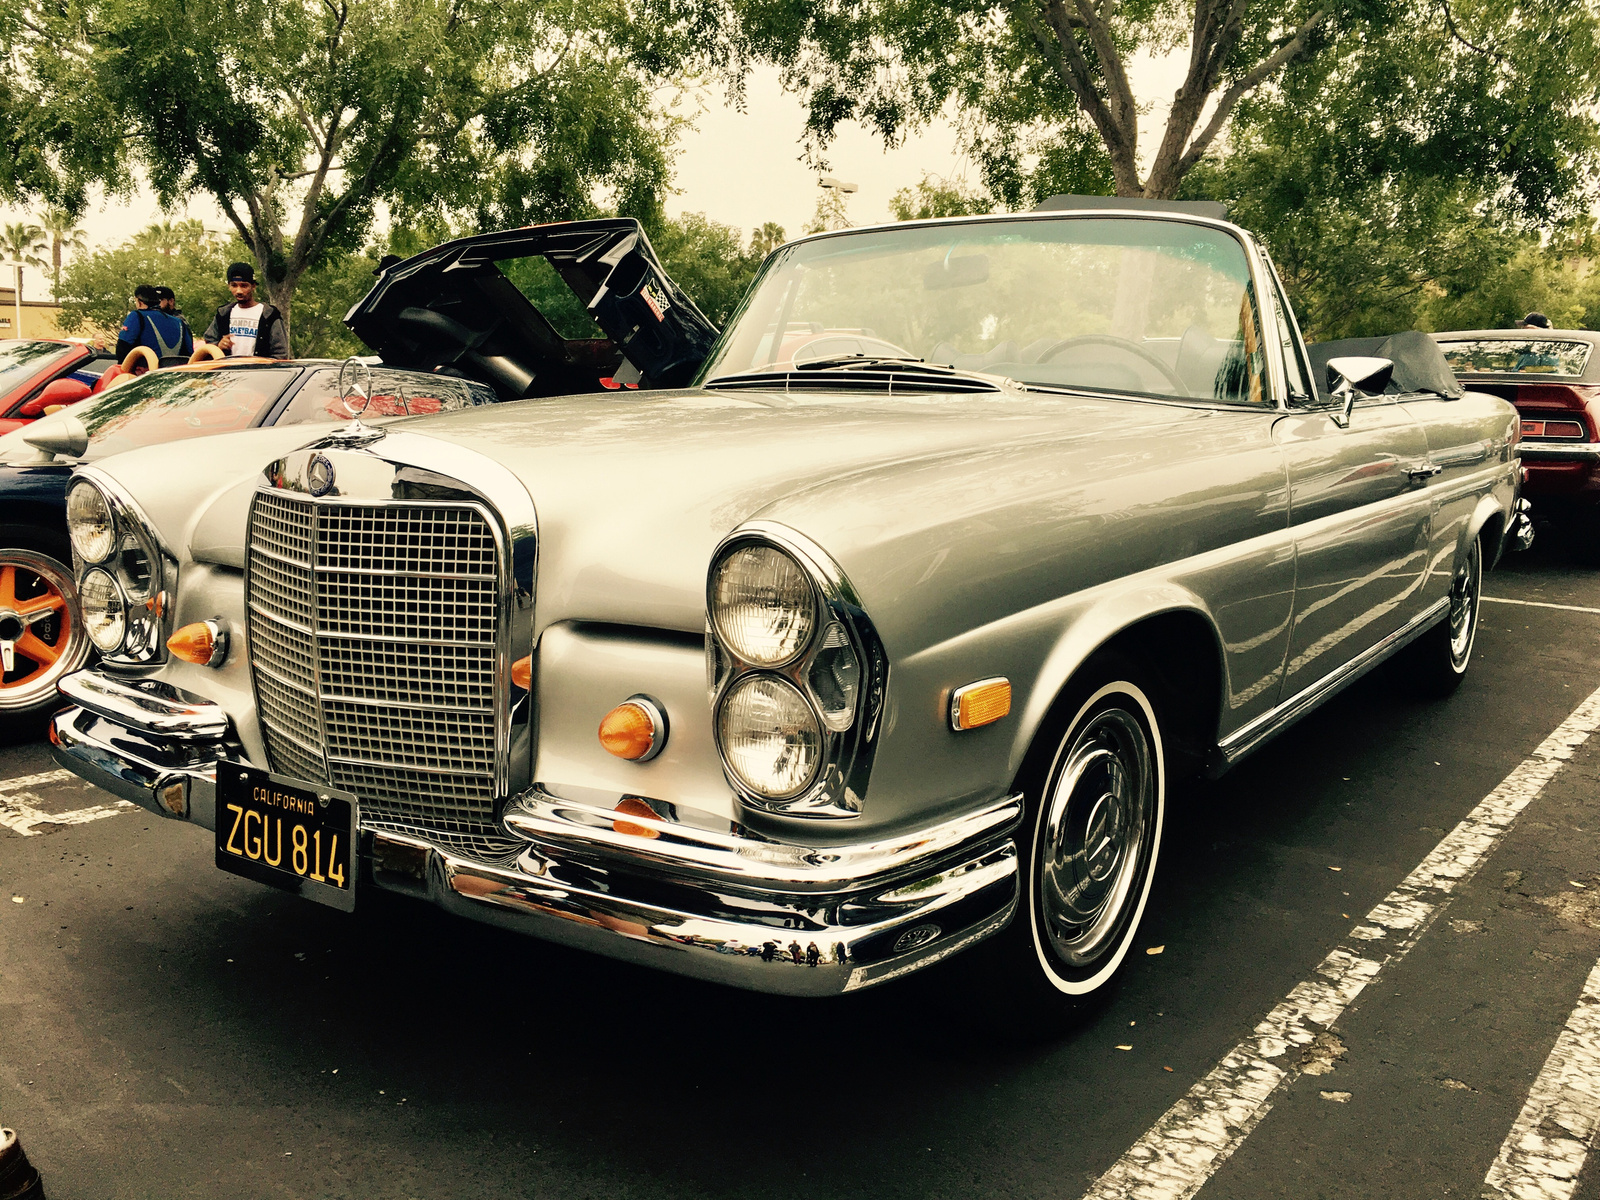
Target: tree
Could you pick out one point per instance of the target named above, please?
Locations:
(938, 197)
(96, 289)
(766, 238)
(708, 261)
(63, 234)
(303, 119)
(21, 243)
(1042, 93)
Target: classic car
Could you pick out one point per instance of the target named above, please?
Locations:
(1553, 378)
(811, 673)
(42, 635)
(36, 374)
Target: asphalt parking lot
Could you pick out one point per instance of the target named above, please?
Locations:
(170, 1030)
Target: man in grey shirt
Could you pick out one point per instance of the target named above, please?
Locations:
(247, 327)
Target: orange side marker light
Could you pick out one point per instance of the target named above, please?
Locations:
(522, 673)
(979, 704)
(632, 806)
(635, 730)
(204, 643)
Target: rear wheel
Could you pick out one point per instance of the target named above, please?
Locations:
(1096, 800)
(41, 636)
(1440, 657)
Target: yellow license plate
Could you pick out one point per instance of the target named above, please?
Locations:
(288, 833)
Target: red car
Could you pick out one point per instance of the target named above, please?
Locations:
(1553, 377)
(36, 374)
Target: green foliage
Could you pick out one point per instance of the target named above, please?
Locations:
(303, 119)
(1388, 204)
(934, 196)
(709, 261)
(1500, 90)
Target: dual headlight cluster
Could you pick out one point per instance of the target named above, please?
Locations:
(119, 582)
(788, 679)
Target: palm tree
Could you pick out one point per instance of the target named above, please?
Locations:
(64, 236)
(21, 242)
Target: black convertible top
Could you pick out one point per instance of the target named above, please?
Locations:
(1419, 364)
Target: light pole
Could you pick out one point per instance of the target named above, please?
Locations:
(17, 295)
(841, 189)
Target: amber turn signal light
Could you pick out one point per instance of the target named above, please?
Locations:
(522, 673)
(204, 643)
(981, 703)
(632, 806)
(635, 730)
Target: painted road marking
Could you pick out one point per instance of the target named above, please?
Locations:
(19, 814)
(1545, 1150)
(1539, 604)
(1192, 1140)
(43, 779)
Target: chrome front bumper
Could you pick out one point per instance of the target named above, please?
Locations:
(679, 890)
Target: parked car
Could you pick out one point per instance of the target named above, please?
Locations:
(815, 672)
(41, 373)
(42, 636)
(1553, 378)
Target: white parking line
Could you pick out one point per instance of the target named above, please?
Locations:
(19, 814)
(1192, 1140)
(1546, 1148)
(43, 779)
(1539, 604)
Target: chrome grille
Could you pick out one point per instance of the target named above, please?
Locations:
(375, 644)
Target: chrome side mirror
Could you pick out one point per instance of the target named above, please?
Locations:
(59, 433)
(1349, 378)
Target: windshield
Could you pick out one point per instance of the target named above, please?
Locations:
(19, 360)
(1159, 307)
(1516, 356)
(168, 406)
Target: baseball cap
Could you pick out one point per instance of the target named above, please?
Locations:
(241, 272)
(145, 294)
(1537, 319)
(165, 293)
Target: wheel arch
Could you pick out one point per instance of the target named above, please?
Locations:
(1488, 518)
(1173, 638)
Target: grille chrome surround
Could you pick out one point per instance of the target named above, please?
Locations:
(379, 655)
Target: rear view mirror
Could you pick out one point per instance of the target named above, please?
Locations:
(1352, 377)
(956, 272)
(58, 392)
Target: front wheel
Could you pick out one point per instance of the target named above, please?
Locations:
(1096, 802)
(41, 636)
(1440, 657)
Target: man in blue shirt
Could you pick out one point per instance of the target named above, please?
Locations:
(165, 333)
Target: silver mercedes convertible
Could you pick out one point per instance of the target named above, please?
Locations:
(804, 656)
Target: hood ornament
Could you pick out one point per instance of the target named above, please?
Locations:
(355, 395)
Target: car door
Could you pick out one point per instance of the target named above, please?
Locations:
(1361, 530)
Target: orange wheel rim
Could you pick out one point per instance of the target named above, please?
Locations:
(29, 648)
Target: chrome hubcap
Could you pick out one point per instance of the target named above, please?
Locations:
(1094, 837)
(1464, 608)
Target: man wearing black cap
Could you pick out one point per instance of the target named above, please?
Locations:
(148, 325)
(1534, 320)
(247, 328)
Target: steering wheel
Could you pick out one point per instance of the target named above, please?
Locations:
(1116, 343)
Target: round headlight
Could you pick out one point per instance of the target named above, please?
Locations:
(771, 741)
(105, 612)
(89, 523)
(762, 605)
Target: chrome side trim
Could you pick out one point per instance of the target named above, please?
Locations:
(1249, 737)
(739, 857)
(1552, 450)
(147, 704)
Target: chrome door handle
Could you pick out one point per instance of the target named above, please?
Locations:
(1423, 470)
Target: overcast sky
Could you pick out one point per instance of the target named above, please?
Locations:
(740, 168)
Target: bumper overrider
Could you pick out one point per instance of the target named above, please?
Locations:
(679, 891)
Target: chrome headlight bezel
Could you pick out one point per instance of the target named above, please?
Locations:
(144, 569)
(85, 492)
(840, 670)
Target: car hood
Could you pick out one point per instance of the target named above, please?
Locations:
(453, 306)
(634, 494)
